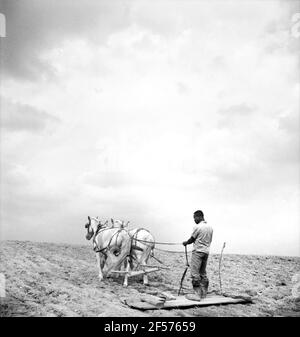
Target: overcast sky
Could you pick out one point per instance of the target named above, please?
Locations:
(148, 111)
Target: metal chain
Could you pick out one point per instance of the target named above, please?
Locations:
(170, 251)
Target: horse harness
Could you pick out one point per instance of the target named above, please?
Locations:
(133, 238)
(103, 251)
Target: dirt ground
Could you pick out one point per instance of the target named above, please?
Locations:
(47, 279)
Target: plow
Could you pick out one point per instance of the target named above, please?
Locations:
(165, 300)
(131, 273)
(130, 266)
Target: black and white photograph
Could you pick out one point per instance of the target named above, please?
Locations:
(150, 160)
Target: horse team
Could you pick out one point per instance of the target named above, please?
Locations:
(119, 249)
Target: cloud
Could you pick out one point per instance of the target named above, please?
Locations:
(182, 88)
(23, 117)
(107, 179)
(162, 110)
(34, 27)
(236, 116)
(242, 109)
(289, 122)
(157, 17)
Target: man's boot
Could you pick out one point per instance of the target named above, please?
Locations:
(196, 296)
(198, 292)
(203, 291)
(204, 288)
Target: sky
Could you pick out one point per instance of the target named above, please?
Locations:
(147, 111)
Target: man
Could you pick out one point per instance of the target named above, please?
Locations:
(201, 237)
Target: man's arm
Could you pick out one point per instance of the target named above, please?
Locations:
(189, 241)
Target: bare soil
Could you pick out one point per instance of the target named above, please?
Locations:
(47, 279)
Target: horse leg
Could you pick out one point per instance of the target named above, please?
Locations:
(99, 266)
(119, 268)
(125, 284)
(145, 261)
(145, 276)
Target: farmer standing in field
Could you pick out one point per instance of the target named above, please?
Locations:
(201, 237)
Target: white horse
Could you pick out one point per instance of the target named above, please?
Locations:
(111, 245)
(142, 245)
(119, 223)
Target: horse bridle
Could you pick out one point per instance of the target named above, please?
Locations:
(99, 228)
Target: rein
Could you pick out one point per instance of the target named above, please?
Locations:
(134, 246)
(134, 236)
(96, 248)
(104, 250)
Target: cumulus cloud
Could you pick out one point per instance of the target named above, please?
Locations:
(23, 117)
(289, 122)
(235, 115)
(162, 109)
(33, 27)
(182, 88)
(242, 109)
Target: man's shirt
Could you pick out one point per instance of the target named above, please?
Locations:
(202, 233)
